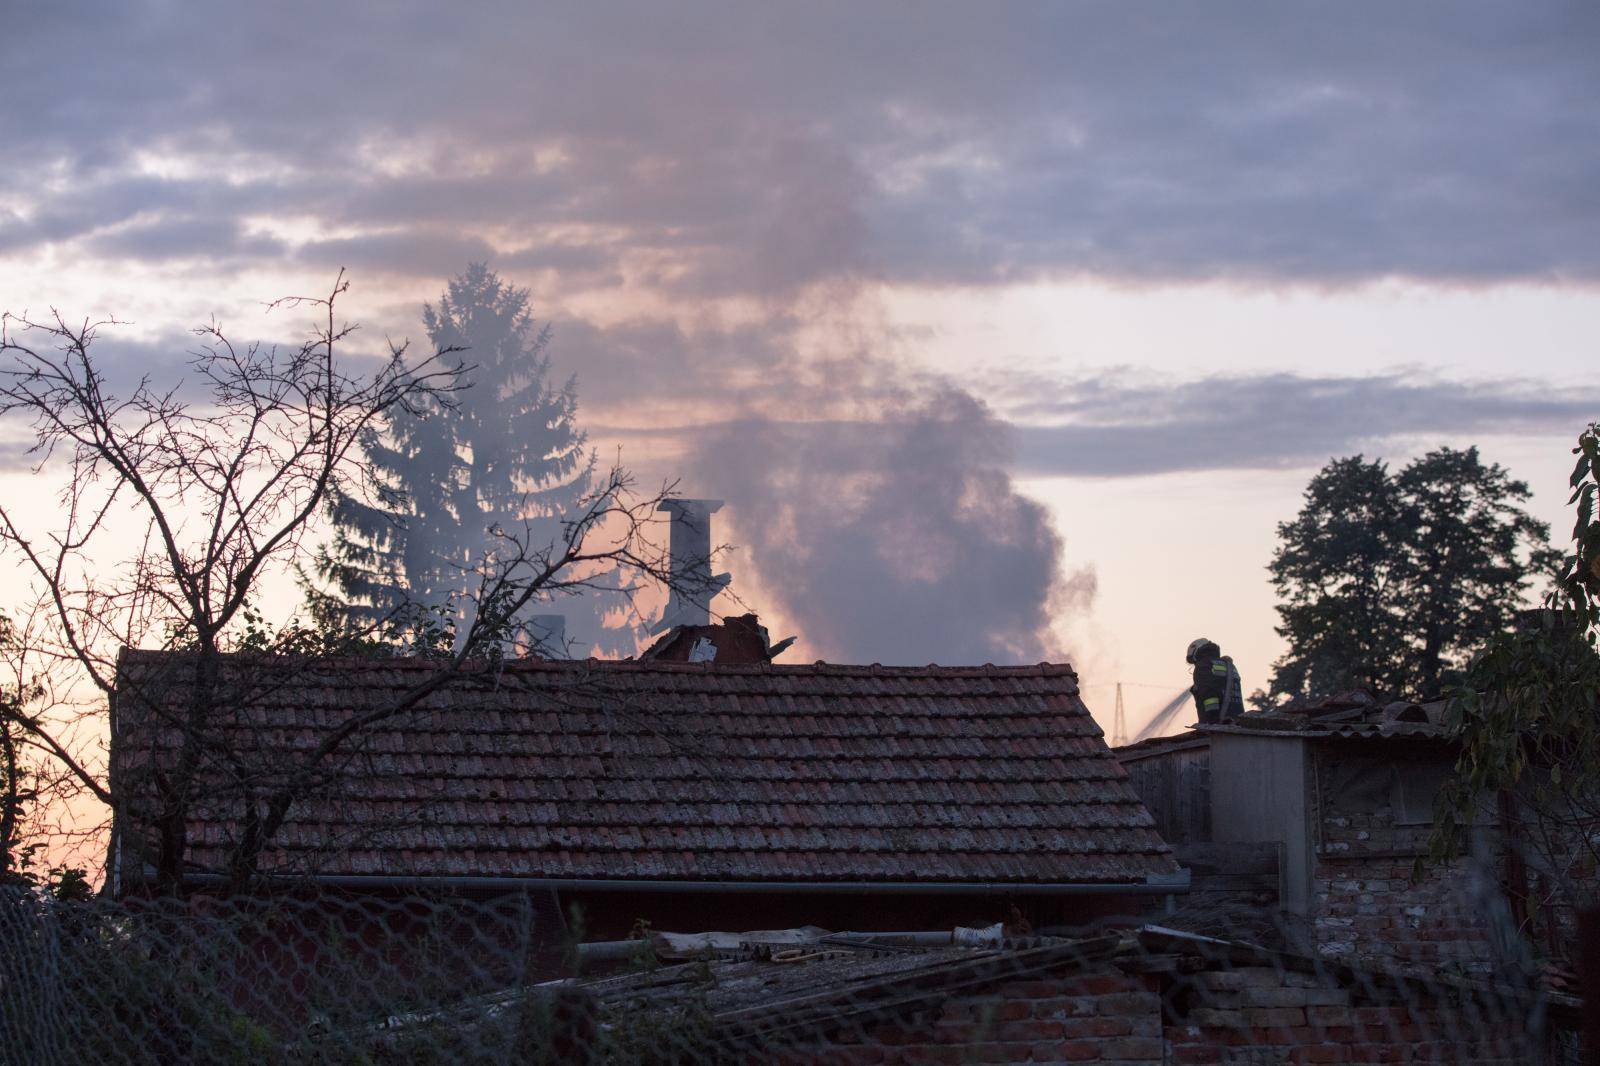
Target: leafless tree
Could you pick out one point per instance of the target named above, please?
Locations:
(180, 500)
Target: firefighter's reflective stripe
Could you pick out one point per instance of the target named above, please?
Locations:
(1219, 668)
(1212, 701)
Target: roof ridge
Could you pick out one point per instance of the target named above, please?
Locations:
(820, 668)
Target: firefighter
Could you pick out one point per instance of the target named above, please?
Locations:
(1218, 696)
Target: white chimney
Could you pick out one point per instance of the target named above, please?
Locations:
(689, 564)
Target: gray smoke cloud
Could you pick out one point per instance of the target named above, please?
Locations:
(870, 504)
(902, 541)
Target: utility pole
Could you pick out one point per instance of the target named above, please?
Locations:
(1119, 725)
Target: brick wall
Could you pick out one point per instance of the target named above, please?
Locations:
(1244, 1015)
(1367, 907)
(1105, 1017)
(1262, 1015)
(1370, 911)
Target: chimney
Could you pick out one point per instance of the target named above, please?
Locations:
(689, 564)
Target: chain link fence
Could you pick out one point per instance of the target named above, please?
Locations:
(418, 979)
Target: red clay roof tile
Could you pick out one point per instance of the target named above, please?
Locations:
(646, 770)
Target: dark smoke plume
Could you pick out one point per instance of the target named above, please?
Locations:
(901, 542)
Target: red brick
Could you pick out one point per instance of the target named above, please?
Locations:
(1201, 1054)
(1063, 1008)
(1320, 1053)
(1010, 1011)
(898, 1034)
(866, 1055)
(1029, 1030)
(1100, 986)
(960, 1010)
(962, 1032)
(1078, 1027)
(1220, 1036)
(1070, 1051)
(1125, 1003)
(1329, 1015)
(1031, 989)
(1133, 1047)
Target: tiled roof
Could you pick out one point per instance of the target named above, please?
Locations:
(646, 770)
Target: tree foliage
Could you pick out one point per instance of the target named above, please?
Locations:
(1527, 719)
(1389, 581)
(445, 475)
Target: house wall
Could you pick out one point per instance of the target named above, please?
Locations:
(1374, 817)
(1243, 1015)
(1259, 792)
(1175, 785)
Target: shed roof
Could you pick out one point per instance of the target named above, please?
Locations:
(1355, 715)
(656, 771)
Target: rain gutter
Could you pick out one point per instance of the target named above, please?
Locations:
(1155, 885)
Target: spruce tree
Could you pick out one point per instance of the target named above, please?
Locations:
(503, 452)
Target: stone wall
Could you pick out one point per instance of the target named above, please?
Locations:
(1105, 1017)
(1368, 904)
(1222, 1016)
(1262, 1015)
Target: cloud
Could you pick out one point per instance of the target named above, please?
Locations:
(412, 252)
(183, 237)
(1111, 426)
(756, 151)
(1108, 426)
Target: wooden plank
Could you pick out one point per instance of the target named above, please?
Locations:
(1228, 859)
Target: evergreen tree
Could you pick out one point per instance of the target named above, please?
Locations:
(504, 452)
(1390, 582)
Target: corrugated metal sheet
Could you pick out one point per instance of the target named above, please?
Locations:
(671, 771)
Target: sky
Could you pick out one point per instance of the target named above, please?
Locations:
(1007, 333)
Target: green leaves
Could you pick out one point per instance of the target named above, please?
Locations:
(1527, 718)
(1389, 581)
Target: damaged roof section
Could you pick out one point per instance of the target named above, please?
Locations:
(740, 639)
(1353, 714)
(658, 771)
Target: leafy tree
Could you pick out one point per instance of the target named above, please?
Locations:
(1527, 719)
(1390, 581)
(1464, 571)
(1334, 571)
(448, 474)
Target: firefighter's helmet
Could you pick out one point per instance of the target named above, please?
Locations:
(1198, 645)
